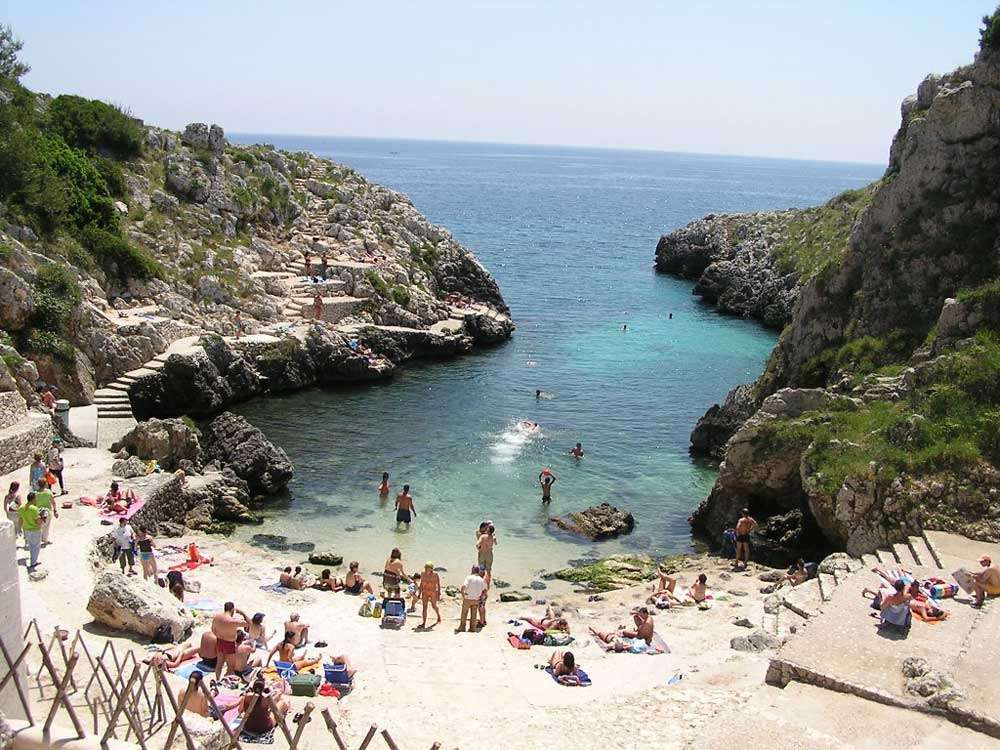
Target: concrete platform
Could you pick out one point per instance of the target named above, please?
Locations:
(843, 649)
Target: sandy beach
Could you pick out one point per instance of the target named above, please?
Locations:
(469, 689)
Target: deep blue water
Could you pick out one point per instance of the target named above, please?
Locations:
(569, 234)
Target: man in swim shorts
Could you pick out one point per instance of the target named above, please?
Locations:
(546, 479)
(405, 511)
(744, 527)
(987, 580)
(225, 625)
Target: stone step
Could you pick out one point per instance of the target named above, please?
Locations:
(869, 561)
(120, 397)
(108, 392)
(827, 583)
(902, 552)
(933, 550)
(119, 385)
(117, 415)
(154, 364)
(139, 373)
(885, 557)
(920, 551)
(125, 411)
(805, 599)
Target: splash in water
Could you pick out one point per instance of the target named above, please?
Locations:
(509, 443)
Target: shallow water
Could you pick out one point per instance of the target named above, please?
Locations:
(570, 235)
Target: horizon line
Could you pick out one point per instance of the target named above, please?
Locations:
(471, 141)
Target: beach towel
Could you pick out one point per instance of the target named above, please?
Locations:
(204, 605)
(134, 508)
(186, 670)
(930, 620)
(517, 643)
(943, 590)
(274, 588)
(557, 639)
(578, 673)
(263, 738)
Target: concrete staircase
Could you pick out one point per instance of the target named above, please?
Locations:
(797, 606)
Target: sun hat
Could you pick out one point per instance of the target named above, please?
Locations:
(429, 564)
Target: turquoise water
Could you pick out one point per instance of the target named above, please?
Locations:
(570, 235)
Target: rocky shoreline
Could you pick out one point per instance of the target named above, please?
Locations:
(871, 421)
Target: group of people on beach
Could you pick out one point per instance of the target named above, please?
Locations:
(33, 514)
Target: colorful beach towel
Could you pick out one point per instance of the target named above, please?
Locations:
(578, 673)
(189, 565)
(264, 738)
(134, 508)
(186, 670)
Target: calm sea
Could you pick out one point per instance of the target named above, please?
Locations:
(569, 234)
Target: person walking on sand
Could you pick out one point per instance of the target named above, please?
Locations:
(12, 504)
(472, 590)
(124, 537)
(31, 527)
(147, 559)
(46, 503)
(38, 471)
(576, 451)
(225, 625)
(744, 527)
(430, 593)
(484, 545)
(56, 462)
(405, 511)
(546, 479)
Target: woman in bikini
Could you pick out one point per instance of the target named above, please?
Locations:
(327, 582)
(354, 583)
(286, 652)
(260, 719)
(257, 632)
(118, 501)
(393, 574)
(549, 622)
(144, 541)
(171, 657)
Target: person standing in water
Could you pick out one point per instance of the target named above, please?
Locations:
(405, 512)
(383, 488)
(546, 479)
(576, 451)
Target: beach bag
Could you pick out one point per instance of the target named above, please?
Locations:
(163, 634)
(366, 609)
(533, 636)
(305, 684)
(50, 479)
(377, 610)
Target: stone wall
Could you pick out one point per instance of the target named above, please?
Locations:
(12, 408)
(10, 615)
(19, 441)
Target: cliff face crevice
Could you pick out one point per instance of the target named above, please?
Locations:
(874, 417)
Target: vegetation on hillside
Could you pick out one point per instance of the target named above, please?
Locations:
(989, 35)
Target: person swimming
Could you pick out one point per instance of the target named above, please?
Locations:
(576, 451)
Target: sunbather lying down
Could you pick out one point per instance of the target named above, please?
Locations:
(624, 639)
(171, 657)
(918, 602)
(549, 622)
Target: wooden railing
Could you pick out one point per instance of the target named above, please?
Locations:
(116, 696)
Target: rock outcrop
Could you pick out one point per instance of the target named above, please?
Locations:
(237, 444)
(137, 606)
(597, 522)
(169, 442)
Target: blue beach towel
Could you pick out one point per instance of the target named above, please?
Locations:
(186, 670)
(276, 588)
(580, 674)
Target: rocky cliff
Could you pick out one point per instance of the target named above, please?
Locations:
(878, 413)
(117, 239)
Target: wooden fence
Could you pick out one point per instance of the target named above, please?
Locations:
(116, 696)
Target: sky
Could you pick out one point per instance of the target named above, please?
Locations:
(796, 78)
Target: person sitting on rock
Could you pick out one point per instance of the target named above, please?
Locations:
(795, 575)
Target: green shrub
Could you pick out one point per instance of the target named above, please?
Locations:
(378, 283)
(989, 35)
(95, 126)
(117, 257)
(241, 155)
(5, 251)
(51, 343)
(401, 295)
(113, 175)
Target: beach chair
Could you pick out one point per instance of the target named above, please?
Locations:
(393, 613)
(336, 675)
(285, 669)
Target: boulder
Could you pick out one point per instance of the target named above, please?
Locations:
(128, 468)
(137, 606)
(514, 596)
(597, 522)
(719, 423)
(326, 558)
(236, 443)
(167, 441)
(18, 302)
(756, 641)
(200, 135)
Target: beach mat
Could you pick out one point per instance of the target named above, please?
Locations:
(580, 674)
(276, 588)
(186, 670)
(132, 510)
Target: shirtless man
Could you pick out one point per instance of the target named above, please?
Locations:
(623, 639)
(744, 527)
(430, 593)
(699, 589)
(405, 511)
(987, 580)
(225, 625)
(576, 451)
(484, 546)
(299, 629)
(546, 479)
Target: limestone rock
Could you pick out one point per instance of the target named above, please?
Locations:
(321, 189)
(756, 641)
(167, 441)
(18, 302)
(236, 443)
(597, 522)
(514, 596)
(326, 558)
(719, 423)
(137, 606)
(200, 135)
(128, 468)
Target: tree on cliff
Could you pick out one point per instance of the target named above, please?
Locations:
(10, 66)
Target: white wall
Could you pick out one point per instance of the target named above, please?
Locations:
(10, 615)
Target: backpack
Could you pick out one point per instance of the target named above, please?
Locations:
(366, 609)
(163, 634)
